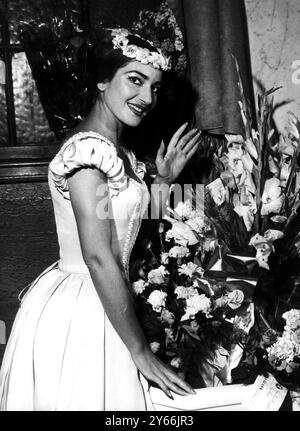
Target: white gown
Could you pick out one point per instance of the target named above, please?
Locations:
(63, 353)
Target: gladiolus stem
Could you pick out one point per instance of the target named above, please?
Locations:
(264, 321)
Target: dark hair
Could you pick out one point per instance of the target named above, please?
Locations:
(105, 60)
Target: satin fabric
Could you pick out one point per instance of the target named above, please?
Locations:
(63, 353)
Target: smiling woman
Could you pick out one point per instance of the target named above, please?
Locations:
(77, 321)
(134, 86)
(133, 61)
(125, 80)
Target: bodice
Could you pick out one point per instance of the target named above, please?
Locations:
(128, 197)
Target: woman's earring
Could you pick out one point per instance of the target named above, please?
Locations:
(101, 86)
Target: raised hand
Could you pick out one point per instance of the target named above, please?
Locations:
(180, 149)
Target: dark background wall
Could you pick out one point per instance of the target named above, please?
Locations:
(28, 242)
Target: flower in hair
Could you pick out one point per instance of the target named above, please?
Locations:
(145, 56)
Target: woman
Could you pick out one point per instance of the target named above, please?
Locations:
(76, 343)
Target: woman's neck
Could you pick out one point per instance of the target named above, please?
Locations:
(102, 122)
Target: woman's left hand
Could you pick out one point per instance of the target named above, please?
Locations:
(180, 149)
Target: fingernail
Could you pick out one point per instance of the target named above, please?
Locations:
(170, 395)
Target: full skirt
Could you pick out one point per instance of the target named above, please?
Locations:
(64, 354)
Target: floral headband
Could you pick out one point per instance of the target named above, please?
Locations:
(144, 55)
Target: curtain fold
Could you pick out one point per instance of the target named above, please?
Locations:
(214, 30)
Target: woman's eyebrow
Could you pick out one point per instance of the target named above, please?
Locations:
(140, 73)
(143, 76)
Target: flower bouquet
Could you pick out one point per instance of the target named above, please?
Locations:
(209, 301)
(195, 324)
(253, 203)
(273, 349)
(254, 197)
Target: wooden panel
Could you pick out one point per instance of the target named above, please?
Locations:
(28, 242)
(23, 164)
(23, 173)
(34, 152)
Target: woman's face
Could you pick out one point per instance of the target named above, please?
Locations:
(131, 93)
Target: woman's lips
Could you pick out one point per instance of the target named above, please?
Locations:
(137, 110)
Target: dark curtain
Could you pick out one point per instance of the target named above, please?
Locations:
(214, 30)
(117, 12)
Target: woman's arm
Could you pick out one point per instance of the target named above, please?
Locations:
(95, 239)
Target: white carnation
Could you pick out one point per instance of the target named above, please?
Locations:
(139, 286)
(157, 299)
(184, 209)
(292, 319)
(181, 232)
(158, 275)
(281, 354)
(196, 223)
(189, 269)
(185, 292)
(179, 251)
(195, 304)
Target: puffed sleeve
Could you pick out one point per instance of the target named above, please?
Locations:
(87, 151)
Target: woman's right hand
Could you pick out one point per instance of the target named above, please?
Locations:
(156, 371)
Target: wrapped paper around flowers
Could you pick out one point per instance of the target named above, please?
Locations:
(265, 394)
(224, 266)
(211, 347)
(238, 273)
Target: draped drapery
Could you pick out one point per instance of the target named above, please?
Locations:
(214, 30)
